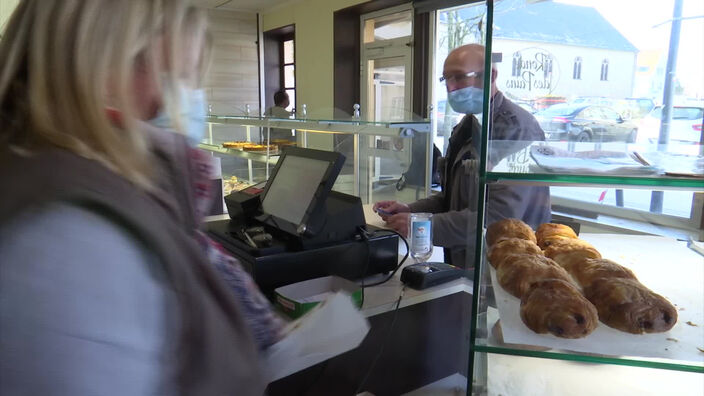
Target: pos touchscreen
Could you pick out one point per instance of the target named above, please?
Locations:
(298, 187)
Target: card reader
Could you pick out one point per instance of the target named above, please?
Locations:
(423, 275)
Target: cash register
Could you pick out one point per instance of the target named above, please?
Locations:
(295, 227)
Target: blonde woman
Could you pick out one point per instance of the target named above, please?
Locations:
(103, 289)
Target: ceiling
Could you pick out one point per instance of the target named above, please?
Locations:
(239, 5)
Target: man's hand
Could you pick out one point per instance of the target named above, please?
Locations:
(386, 209)
(399, 222)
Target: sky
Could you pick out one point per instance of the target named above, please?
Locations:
(637, 20)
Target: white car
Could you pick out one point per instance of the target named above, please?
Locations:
(686, 126)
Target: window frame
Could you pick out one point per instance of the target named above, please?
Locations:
(516, 66)
(577, 68)
(691, 225)
(282, 66)
(604, 76)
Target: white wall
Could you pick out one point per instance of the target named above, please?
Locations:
(620, 75)
(6, 8)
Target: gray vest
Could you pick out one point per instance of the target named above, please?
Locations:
(216, 353)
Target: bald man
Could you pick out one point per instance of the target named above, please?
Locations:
(455, 209)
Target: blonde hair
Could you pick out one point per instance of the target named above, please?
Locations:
(66, 61)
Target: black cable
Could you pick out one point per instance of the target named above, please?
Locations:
(383, 345)
(365, 235)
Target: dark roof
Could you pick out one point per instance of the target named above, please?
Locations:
(558, 23)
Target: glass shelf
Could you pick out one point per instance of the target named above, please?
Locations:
(672, 167)
(501, 331)
(563, 355)
(271, 158)
(667, 182)
(403, 126)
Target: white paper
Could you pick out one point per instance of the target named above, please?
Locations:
(333, 327)
(664, 265)
(554, 159)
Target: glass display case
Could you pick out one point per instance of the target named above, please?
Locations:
(653, 229)
(670, 265)
(384, 160)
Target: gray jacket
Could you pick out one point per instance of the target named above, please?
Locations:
(455, 216)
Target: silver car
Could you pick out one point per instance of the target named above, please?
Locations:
(686, 125)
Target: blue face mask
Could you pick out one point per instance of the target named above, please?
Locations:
(466, 100)
(192, 113)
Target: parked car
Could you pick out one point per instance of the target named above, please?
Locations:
(585, 123)
(526, 106)
(592, 100)
(639, 107)
(548, 101)
(686, 125)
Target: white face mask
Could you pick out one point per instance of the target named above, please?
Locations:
(468, 100)
(192, 113)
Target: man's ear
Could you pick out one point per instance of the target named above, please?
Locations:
(494, 74)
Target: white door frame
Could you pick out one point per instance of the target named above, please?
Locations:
(399, 47)
(393, 48)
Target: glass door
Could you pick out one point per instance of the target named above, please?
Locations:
(386, 84)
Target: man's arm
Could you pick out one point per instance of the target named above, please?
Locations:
(433, 204)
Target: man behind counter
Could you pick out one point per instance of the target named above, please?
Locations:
(455, 208)
(281, 102)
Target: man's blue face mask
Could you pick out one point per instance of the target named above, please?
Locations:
(466, 100)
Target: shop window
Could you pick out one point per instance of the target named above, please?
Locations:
(536, 70)
(288, 71)
(547, 69)
(577, 68)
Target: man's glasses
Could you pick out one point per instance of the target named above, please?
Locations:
(461, 78)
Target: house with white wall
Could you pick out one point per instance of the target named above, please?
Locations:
(546, 52)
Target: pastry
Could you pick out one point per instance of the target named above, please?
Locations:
(509, 228)
(519, 271)
(549, 232)
(236, 144)
(556, 306)
(571, 252)
(508, 246)
(260, 147)
(233, 184)
(589, 270)
(625, 304)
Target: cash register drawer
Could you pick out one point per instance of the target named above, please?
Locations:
(351, 260)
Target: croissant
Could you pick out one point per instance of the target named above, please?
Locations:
(519, 271)
(509, 228)
(549, 232)
(557, 307)
(625, 304)
(571, 252)
(589, 270)
(508, 246)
